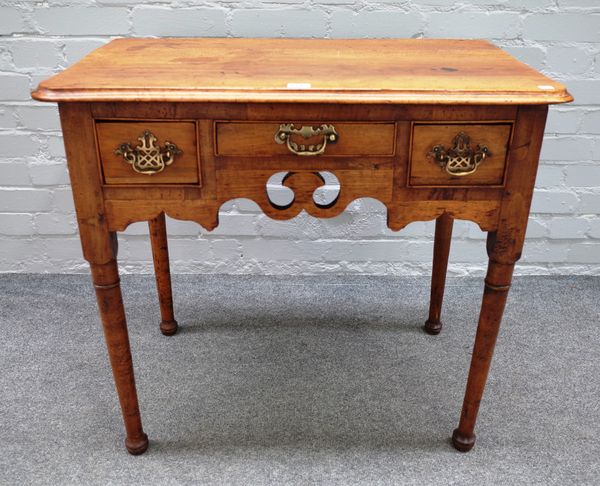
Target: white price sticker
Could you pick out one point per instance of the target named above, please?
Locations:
(299, 85)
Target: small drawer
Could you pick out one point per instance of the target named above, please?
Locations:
(326, 139)
(148, 153)
(459, 154)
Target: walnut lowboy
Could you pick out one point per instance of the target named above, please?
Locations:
(401, 121)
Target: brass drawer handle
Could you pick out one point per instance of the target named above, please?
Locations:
(461, 159)
(286, 130)
(147, 157)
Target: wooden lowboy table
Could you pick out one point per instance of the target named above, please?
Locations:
(431, 128)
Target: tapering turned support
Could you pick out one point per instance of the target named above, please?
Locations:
(497, 284)
(160, 254)
(504, 247)
(441, 250)
(110, 303)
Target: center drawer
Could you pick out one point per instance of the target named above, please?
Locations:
(325, 139)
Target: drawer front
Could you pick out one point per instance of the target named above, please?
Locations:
(148, 153)
(459, 154)
(326, 139)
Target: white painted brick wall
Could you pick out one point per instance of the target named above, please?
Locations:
(37, 222)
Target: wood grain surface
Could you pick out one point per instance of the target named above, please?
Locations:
(439, 71)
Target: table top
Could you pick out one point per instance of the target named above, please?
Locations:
(435, 71)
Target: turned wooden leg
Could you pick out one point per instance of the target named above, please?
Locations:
(110, 302)
(160, 254)
(441, 250)
(497, 283)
